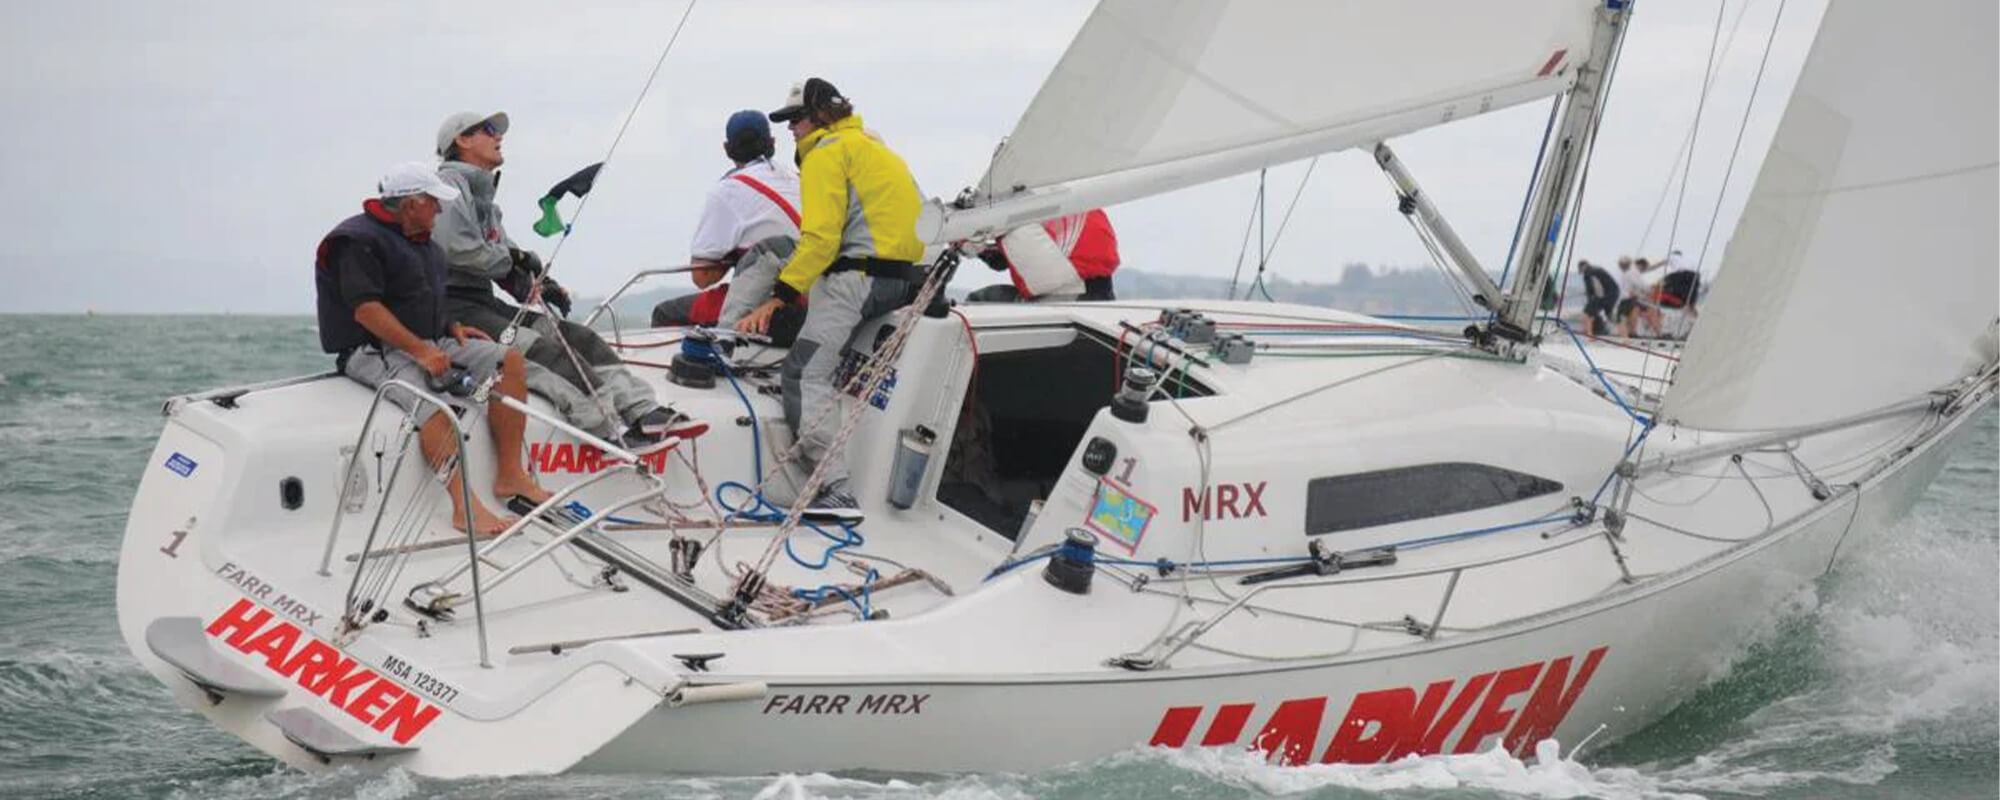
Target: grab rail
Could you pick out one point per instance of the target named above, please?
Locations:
(1148, 658)
(627, 463)
(465, 496)
(605, 305)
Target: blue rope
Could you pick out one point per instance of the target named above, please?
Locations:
(1012, 565)
(862, 603)
(1431, 318)
(756, 429)
(583, 512)
(1616, 396)
(1422, 336)
(1406, 544)
(1412, 544)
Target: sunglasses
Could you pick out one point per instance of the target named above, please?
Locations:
(486, 127)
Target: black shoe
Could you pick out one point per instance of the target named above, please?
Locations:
(642, 445)
(668, 422)
(833, 504)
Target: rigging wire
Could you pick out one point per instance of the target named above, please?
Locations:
(554, 329)
(1256, 214)
(1735, 150)
(584, 201)
(1687, 142)
(1264, 256)
(1694, 132)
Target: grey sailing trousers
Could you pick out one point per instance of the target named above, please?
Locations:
(835, 308)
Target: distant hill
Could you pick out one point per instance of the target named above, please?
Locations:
(1361, 288)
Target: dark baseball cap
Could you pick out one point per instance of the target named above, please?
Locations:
(804, 97)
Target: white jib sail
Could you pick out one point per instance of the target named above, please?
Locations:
(1864, 271)
(1155, 95)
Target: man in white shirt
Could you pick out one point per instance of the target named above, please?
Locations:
(750, 222)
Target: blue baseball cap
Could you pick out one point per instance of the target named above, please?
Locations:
(744, 124)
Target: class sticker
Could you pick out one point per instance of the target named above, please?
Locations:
(181, 465)
(1119, 516)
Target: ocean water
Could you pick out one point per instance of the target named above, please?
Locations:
(1882, 680)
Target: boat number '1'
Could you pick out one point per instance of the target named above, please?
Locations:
(175, 545)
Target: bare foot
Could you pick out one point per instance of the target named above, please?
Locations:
(523, 487)
(485, 523)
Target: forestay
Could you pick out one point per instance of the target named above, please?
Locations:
(1863, 271)
(1155, 95)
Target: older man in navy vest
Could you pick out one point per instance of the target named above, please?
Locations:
(380, 281)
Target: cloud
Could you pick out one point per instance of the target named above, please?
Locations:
(177, 157)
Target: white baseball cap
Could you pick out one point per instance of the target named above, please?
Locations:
(413, 178)
(463, 122)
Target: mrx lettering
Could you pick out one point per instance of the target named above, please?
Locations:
(892, 704)
(319, 668)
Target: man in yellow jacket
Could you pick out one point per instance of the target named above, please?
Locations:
(855, 260)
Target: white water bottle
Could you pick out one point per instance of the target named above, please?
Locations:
(913, 459)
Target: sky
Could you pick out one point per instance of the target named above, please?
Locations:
(170, 157)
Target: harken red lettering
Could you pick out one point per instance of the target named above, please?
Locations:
(1173, 730)
(1551, 702)
(319, 668)
(1375, 722)
(239, 622)
(1228, 724)
(1388, 724)
(1492, 719)
(1292, 730)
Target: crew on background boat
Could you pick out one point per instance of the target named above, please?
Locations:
(1640, 283)
(1621, 314)
(1600, 291)
(1066, 258)
(380, 284)
(1680, 285)
(482, 254)
(857, 247)
(749, 223)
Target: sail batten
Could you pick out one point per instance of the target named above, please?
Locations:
(1865, 268)
(1155, 95)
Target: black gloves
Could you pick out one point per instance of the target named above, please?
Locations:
(520, 281)
(555, 296)
(526, 261)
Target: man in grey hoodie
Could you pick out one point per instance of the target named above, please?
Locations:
(482, 254)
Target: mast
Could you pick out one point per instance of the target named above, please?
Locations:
(1557, 183)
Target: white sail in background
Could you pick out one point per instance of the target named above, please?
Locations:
(1155, 95)
(1864, 270)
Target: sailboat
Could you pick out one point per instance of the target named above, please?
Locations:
(1099, 526)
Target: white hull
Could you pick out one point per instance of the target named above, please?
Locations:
(1537, 636)
(1650, 646)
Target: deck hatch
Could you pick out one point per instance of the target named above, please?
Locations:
(1385, 497)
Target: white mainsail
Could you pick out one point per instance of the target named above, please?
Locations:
(1864, 270)
(1155, 95)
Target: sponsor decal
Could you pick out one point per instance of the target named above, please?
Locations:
(321, 669)
(843, 704)
(1387, 724)
(1224, 501)
(1119, 515)
(850, 362)
(181, 465)
(571, 457)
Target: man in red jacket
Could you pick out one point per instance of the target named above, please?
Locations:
(1066, 258)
